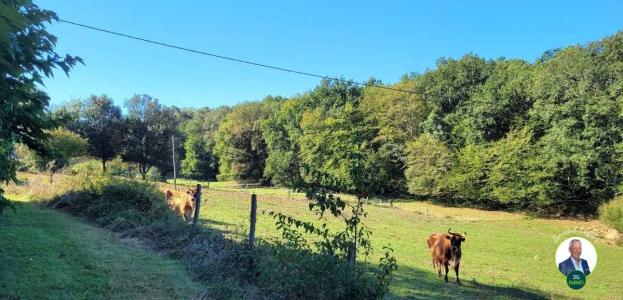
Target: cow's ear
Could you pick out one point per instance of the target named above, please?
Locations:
(448, 237)
(462, 239)
(188, 192)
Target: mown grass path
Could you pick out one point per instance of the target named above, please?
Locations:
(45, 254)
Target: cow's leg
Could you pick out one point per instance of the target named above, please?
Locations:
(438, 268)
(446, 265)
(456, 271)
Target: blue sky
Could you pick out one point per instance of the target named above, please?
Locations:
(354, 39)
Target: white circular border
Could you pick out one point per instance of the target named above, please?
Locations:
(588, 252)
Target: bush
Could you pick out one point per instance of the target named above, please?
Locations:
(90, 166)
(115, 167)
(26, 159)
(293, 274)
(118, 167)
(611, 213)
(114, 203)
(154, 174)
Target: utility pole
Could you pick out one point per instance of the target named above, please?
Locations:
(174, 171)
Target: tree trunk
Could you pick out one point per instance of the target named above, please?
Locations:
(104, 166)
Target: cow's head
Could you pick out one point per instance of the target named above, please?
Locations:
(455, 239)
(191, 194)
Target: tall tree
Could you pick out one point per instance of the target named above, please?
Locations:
(337, 151)
(282, 133)
(101, 123)
(201, 160)
(448, 88)
(26, 56)
(240, 144)
(397, 117)
(150, 127)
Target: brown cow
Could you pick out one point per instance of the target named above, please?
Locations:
(183, 206)
(445, 249)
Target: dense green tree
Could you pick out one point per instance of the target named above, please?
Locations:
(26, 56)
(428, 162)
(578, 123)
(240, 144)
(519, 176)
(63, 145)
(201, 161)
(446, 89)
(282, 132)
(150, 127)
(497, 105)
(100, 121)
(397, 114)
(338, 152)
(397, 117)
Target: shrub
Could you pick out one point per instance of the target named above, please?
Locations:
(115, 167)
(90, 166)
(26, 159)
(114, 203)
(154, 174)
(611, 213)
(118, 167)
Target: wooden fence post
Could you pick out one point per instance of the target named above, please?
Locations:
(197, 204)
(352, 254)
(253, 219)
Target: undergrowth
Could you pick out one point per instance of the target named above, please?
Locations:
(229, 269)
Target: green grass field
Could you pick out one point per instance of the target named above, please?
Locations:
(45, 254)
(506, 255)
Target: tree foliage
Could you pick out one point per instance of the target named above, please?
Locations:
(201, 160)
(240, 144)
(26, 56)
(100, 121)
(150, 127)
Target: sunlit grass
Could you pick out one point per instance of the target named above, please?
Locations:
(506, 255)
(46, 254)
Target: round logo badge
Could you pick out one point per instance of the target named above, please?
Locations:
(576, 280)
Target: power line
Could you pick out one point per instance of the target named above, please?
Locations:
(263, 65)
(232, 58)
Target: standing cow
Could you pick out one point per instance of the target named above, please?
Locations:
(445, 249)
(183, 206)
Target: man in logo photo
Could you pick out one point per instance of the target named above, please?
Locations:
(574, 262)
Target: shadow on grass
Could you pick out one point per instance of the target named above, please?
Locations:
(206, 222)
(209, 225)
(411, 283)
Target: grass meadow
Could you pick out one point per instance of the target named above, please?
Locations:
(506, 255)
(48, 254)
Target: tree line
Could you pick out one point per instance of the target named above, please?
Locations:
(505, 133)
(544, 137)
